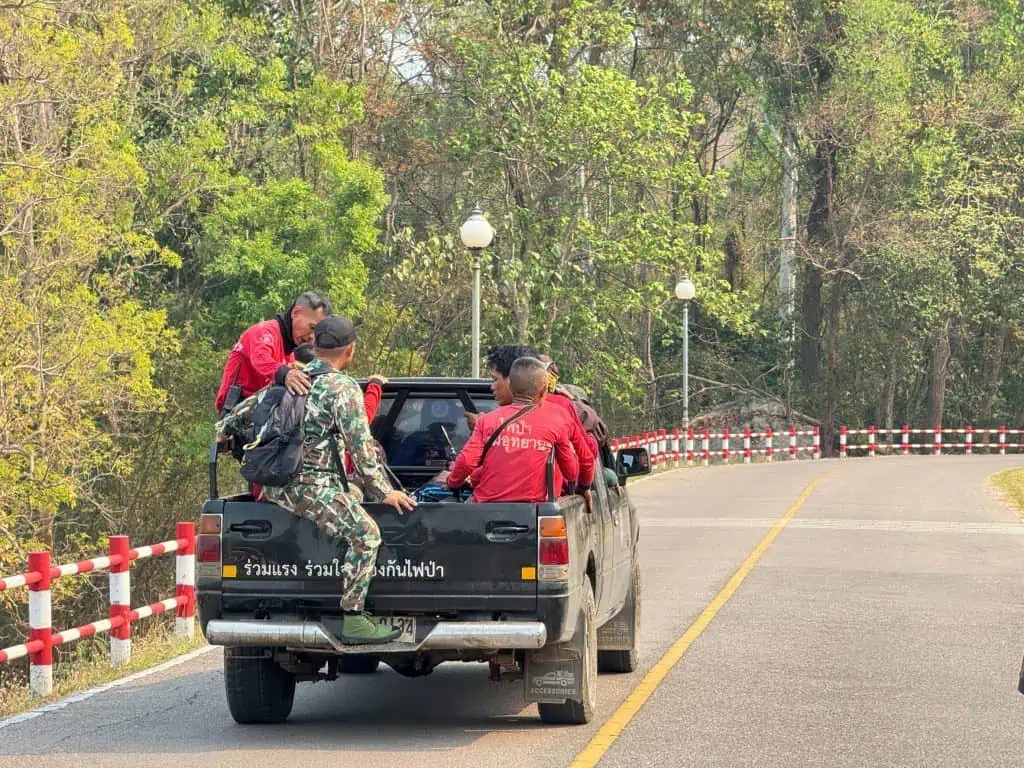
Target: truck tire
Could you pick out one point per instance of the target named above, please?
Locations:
(579, 712)
(357, 664)
(258, 689)
(620, 662)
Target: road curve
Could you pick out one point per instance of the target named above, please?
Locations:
(883, 626)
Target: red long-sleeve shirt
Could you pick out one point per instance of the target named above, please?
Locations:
(584, 443)
(371, 401)
(515, 468)
(255, 359)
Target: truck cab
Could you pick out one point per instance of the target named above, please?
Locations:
(547, 593)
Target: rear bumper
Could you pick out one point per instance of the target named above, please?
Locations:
(313, 636)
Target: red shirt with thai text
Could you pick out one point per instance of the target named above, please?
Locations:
(515, 468)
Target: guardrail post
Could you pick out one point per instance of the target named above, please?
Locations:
(817, 443)
(872, 440)
(705, 446)
(185, 581)
(689, 446)
(1002, 440)
(746, 445)
(906, 439)
(725, 444)
(842, 441)
(792, 442)
(40, 625)
(663, 441)
(120, 600)
(969, 440)
(675, 440)
(938, 440)
(768, 449)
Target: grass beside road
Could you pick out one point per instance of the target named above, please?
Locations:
(88, 666)
(1011, 483)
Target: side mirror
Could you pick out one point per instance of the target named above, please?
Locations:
(632, 462)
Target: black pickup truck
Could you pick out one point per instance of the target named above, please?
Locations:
(549, 593)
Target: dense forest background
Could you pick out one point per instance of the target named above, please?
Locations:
(840, 178)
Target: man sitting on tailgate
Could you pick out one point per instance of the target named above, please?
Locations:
(506, 457)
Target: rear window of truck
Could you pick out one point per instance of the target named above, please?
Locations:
(411, 426)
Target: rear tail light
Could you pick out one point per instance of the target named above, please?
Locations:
(208, 557)
(210, 523)
(208, 548)
(552, 527)
(552, 549)
(554, 552)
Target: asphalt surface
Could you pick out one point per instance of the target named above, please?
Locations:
(882, 627)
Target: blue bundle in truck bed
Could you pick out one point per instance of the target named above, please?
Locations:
(547, 592)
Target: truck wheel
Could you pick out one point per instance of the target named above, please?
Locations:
(258, 689)
(625, 661)
(579, 712)
(357, 664)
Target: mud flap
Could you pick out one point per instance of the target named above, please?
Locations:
(555, 673)
(619, 634)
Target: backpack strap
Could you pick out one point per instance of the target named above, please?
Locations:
(339, 467)
(494, 435)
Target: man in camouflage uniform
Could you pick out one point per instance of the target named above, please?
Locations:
(335, 405)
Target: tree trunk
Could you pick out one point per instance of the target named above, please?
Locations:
(810, 341)
(735, 260)
(818, 220)
(652, 380)
(889, 390)
(787, 233)
(992, 368)
(831, 417)
(938, 372)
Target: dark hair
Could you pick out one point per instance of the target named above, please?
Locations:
(312, 300)
(501, 358)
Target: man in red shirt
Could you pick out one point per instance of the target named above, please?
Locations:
(563, 400)
(499, 362)
(515, 466)
(265, 351)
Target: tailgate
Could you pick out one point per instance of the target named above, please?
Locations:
(440, 558)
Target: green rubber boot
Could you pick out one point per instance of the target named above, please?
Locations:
(360, 630)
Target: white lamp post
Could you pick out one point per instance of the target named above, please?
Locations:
(685, 291)
(476, 233)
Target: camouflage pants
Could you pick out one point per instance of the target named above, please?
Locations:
(340, 516)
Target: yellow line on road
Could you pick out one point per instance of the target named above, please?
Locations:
(612, 729)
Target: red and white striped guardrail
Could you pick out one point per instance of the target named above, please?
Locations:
(42, 639)
(669, 449)
(874, 440)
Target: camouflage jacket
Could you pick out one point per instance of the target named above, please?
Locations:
(334, 404)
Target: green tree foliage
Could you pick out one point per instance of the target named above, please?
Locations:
(171, 172)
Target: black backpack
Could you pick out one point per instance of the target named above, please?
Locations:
(274, 458)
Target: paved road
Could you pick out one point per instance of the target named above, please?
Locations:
(883, 627)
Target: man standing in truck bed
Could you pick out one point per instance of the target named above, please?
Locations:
(334, 406)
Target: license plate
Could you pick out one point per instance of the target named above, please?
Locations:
(405, 624)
